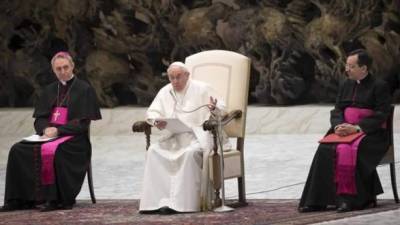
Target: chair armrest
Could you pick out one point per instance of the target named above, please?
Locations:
(213, 123)
(143, 126)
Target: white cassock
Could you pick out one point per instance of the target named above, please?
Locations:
(173, 174)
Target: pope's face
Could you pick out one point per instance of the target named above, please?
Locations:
(63, 69)
(178, 78)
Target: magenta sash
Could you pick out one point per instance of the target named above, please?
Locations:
(47, 154)
(346, 154)
(59, 116)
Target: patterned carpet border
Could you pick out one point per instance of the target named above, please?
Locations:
(121, 212)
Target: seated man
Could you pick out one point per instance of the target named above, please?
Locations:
(344, 174)
(173, 179)
(52, 172)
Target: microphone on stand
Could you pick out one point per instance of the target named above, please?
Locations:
(223, 207)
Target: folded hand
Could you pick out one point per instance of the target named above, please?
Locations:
(345, 129)
(50, 132)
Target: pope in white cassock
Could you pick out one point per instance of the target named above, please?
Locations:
(175, 179)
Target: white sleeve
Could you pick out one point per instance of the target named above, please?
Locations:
(155, 109)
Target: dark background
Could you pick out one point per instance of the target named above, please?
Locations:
(122, 47)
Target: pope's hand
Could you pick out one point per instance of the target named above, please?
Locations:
(213, 103)
(160, 124)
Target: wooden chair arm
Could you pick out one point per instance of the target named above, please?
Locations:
(213, 123)
(143, 126)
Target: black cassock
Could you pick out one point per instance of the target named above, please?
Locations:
(320, 190)
(23, 177)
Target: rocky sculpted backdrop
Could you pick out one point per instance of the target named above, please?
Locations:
(123, 47)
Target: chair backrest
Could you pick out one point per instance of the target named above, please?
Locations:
(389, 155)
(229, 74)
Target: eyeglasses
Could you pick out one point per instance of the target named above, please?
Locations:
(351, 66)
(177, 77)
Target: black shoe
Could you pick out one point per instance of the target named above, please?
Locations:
(8, 208)
(370, 203)
(344, 207)
(11, 205)
(166, 211)
(66, 207)
(28, 205)
(50, 206)
(148, 211)
(311, 209)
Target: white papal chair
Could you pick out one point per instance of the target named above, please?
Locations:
(229, 74)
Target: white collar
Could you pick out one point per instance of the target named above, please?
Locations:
(65, 82)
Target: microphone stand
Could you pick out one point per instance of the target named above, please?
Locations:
(223, 207)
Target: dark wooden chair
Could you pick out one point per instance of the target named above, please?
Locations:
(389, 156)
(90, 182)
(90, 176)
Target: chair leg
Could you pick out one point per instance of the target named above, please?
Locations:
(241, 180)
(242, 197)
(241, 192)
(90, 182)
(217, 180)
(393, 178)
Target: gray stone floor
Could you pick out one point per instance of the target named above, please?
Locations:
(276, 168)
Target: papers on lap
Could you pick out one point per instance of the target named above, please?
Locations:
(175, 125)
(334, 138)
(36, 138)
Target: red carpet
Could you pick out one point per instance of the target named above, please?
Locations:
(258, 212)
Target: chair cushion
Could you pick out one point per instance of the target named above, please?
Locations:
(231, 162)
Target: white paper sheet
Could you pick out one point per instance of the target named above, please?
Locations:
(175, 125)
(36, 138)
